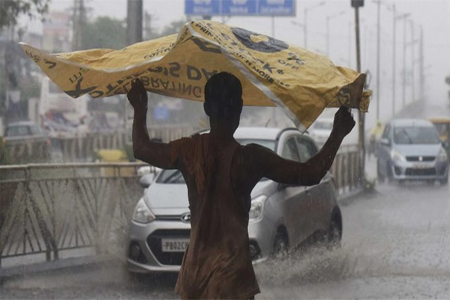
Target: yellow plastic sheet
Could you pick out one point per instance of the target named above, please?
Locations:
(272, 72)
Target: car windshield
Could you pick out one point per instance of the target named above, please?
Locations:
(175, 176)
(415, 135)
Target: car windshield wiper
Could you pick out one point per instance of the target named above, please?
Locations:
(407, 135)
(173, 177)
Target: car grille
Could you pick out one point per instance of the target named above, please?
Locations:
(168, 217)
(417, 158)
(166, 258)
(420, 172)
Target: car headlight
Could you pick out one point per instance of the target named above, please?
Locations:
(397, 156)
(142, 214)
(257, 208)
(442, 155)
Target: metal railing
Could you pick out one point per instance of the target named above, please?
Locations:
(346, 169)
(78, 148)
(48, 208)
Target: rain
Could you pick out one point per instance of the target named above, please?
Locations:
(73, 196)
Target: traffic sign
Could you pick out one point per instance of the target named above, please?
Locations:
(277, 7)
(202, 7)
(240, 7)
(357, 3)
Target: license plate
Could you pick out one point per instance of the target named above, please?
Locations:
(422, 166)
(174, 245)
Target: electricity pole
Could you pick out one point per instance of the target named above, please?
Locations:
(356, 4)
(394, 22)
(378, 60)
(79, 20)
(134, 35)
(134, 21)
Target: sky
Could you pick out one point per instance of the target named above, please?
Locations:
(432, 15)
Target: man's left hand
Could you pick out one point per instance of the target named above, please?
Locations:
(138, 96)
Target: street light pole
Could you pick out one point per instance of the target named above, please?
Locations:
(422, 61)
(305, 23)
(305, 30)
(398, 18)
(393, 59)
(378, 60)
(328, 29)
(413, 42)
(273, 26)
(298, 24)
(404, 63)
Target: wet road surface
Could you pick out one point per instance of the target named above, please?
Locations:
(395, 245)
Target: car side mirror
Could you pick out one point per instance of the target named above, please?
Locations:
(282, 186)
(146, 180)
(384, 142)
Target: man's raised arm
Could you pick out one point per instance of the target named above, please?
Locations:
(154, 153)
(311, 172)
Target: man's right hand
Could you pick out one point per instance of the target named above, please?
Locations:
(138, 96)
(343, 122)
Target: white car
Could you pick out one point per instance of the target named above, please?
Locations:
(281, 215)
(321, 130)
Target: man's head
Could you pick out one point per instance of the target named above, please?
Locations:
(223, 97)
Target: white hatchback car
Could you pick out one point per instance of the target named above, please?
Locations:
(281, 215)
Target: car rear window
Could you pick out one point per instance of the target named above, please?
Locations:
(323, 125)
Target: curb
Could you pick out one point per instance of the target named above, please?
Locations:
(55, 265)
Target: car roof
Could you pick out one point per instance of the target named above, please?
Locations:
(260, 133)
(412, 122)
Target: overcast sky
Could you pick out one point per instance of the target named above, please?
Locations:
(433, 15)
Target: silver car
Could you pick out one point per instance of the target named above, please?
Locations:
(410, 149)
(281, 216)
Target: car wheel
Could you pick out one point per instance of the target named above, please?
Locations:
(334, 235)
(280, 245)
(380, 176)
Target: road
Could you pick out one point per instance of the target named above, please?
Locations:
(395, 245)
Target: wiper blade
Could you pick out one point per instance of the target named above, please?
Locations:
(173, 177)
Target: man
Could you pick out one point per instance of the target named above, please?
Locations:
(220, 175)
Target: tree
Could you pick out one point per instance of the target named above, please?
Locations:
(104, 32)
(11, 10)
(174, 27)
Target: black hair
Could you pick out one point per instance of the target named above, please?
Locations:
(223, 96)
